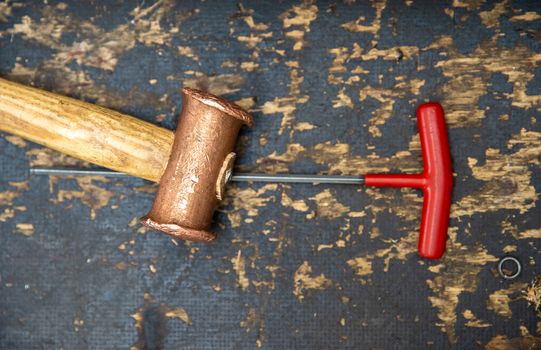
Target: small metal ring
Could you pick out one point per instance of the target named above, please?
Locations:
(515, 261)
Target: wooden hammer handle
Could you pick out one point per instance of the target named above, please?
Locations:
(86, 131)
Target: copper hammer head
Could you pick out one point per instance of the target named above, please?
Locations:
(200, 165)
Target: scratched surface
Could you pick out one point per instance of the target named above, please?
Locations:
(332, 87)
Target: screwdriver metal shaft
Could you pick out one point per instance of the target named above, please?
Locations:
(240, 177)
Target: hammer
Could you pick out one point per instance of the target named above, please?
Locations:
(194, 164)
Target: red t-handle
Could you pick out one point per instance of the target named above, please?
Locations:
(436, 181)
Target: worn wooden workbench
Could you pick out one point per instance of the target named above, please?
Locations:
(333, 88)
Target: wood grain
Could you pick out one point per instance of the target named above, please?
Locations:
(86, 131)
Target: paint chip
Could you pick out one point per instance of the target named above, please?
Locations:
(25, 229)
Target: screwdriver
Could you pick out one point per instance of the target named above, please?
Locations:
(436, 180)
